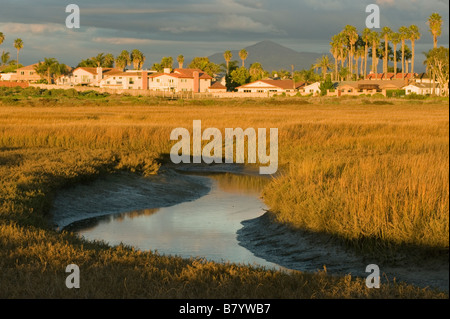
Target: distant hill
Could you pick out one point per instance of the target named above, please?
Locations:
(272, 56)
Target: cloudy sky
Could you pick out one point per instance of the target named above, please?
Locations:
(197, 27)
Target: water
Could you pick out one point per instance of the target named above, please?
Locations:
(172, 213)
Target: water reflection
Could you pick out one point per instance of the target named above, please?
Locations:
(205, 227)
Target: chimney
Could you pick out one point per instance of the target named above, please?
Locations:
(166, 70)
(99, 74)
(196, 87)
(144, 80)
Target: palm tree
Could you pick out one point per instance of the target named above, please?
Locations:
(386, 33)
(125, 56)
(435, 22)
(413, 37)
(121, 62)
(4, 57)
(374, 38)
(2, 38)
(335, 52)
(180, 60)
(404, 35)
(137, 58)
(243, 54)
(365, 37)
(395, 39)
(99, 60)
(108, 61)
(227, 55)
(324, 64)
(18, 44)
(48, 68)
(360, 53)
(352, 35)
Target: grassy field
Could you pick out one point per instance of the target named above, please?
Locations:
(372, 172)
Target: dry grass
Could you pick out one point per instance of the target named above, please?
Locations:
(355, 171)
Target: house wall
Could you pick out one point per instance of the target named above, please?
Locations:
(25, 76)
(81, 76)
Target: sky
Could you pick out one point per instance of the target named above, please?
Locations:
(198, 27)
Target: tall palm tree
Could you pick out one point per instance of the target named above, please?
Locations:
(395, 39)
(243, 54)
(386, 34)
(227, 55)
(374, 38)
(180, 60)
(335, 52)
(18, 44)
(413, 37)
(404, 35)
(352, 35)
(49, 67)
(365, 36)
(360, 53)
(435, 23)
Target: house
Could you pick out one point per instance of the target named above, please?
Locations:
(270, 86)
(421, 88)
(26, 74)
(313, 88)
(180, 80)
(217, 87)
(127, 80)
(89, 76)
(367, 87)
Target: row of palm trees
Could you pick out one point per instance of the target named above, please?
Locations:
(228, 55)
(18, 44)
(348, 47)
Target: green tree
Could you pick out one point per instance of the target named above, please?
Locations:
(108, 61)
(48, 68)
(365, 37)
(404, 35)
(2, 38)
(324, 64)
(256, 72)
(395, 39)
(437, 60)
(326, 85)
(352, 36)
(18, 44)
(240, 77)
(204, 64)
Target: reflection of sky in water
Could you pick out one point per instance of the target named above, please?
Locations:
(205, 227)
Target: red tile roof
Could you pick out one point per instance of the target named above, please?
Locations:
(282, 84)
(184, 74)
(217, 86)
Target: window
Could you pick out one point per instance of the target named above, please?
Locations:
(260, 91)
(247, 91)
(22, 73)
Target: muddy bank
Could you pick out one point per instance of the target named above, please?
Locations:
(306, 251)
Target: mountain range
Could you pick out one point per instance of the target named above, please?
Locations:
(272, 56)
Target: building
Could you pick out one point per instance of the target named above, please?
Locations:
(313, 88)
(180, 80)
(26, 74)
(217, 87)
(271, 86)
(422, 88)
(391, 76)
(88, 76)
(127, 80)
(367, 87)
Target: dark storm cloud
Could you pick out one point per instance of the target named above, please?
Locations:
(197, 27)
